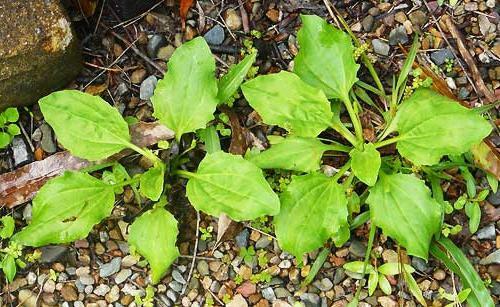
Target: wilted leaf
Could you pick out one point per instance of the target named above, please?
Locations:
(487, 157)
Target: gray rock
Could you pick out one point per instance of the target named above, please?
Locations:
(164, 300)
(176, 286)
(339, 276)
(215, 36)
(398, 36)
(122, 276)
(323, 285)
(86, 280)
(420, 265)
(463, 93)
(47, 141)
(39, 52)
(495, 288)
(148, 87)
(367, 23)
(494, 198)
(268, 294)
(110, 268)
(380, 47)
(491, 258)
(52, 253)
(20, 152)
(27, 212)
(263, 242)
(440, 56)
(285, 264)
(177, 276)
(357, 248)
(171, 295)
(101, 290)
(282, 293)
(418, 18)
(311, 299)
(487, 232)
(242, 238)
(202, 268)
(155, 43)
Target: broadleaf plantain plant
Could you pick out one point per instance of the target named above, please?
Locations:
(315, 207)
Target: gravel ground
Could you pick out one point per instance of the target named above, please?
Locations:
(247, 268)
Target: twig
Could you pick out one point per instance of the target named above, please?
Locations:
(130, 21)
(194, 253)
(260, 231)
(468, 59)
(100, 15)
(244, 17)
(138, 52)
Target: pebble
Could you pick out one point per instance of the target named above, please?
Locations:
(463, 93)
(398, 36)
(268, 294)
(177, 276)
(485, 26)
(339, 276)
(122, 276)
(494, 198)
(86, 280)
(367, 23)
(202, 268)
(237, 301)
(101, 290)
(282, 293)
(233, 20)
(263, 242)
(285, 264)
(420, 264)
(49, 286)
(148, 87)
(324, 285)
(246, 289)
(487, 233)
(418, 18)
(129, 261)
(52, 253)
(171, 295)
(31, 278)
(242, 238)
(387, 301)
(491, 258)
(166, 52)
(311, 299)
(471, 6)
(155, 43)
(380, 47)
(113, 295)
(439, 275)
(28, 298)
(47, 141)
(215, 36)
(439, 57)
(176, 286)
(357, 248)
(20, 152)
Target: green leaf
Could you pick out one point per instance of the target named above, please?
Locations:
(230, 82)
(365, 163)
(357, 267)
(283, 99)
(8, 226)
(292, 153)
(492, 181)
(431, 125)
(13, 129)
(86, 125)
(462, 295)
(151, 182)
(228, 184)
(313, 210)
(4, 139)
(473, 211)
(384, 284)
(186, 98)
(394, 268)
(9, 268)
(325, 59)
(372, 282)
(403, 207)
(211, 139)
(11, 115)
(405, 70)
(153, 235)
(414, 289)
(66, 208)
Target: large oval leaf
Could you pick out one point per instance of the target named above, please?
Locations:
(313, 210)
(86, 125)
(228, 184)
(66, 208)
(402, 206)
(365, 163)
(283, 99)
(325, 59)
(230, 82)
(292, 153)
(186, 98)
(431, 125)
(153, 235)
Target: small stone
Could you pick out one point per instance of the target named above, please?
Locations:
(128, 261)
(273, 15)
(68, 292)
(390, 255)
(172, 295)
(202, 268)
(285, 264)
(138, 75)
(110, 268)
(166, 52)
(357, 248)
(155, 43)
(215, 36)
(31, 278)
(387, 301)
(222, 274)
(324, 285)
(242, 238)
(418, 18)
(148, 87)
(339, 276)
(463, 93)
(471, 6)
(367, 23)
(282, 293)
(439, 275)
(177, 276)
(439, 57)
(268, 294)
(263, 242)
(233, 20)
(398, 36)
(52, 253)
(486, 233)
(49, 286)
(491, 258)
(88, 289)
(490, 3)
(20, 152)
(400, 17)
(380, 47)
(311, 299)
(485, 26)
(113, 295)
(176, 286)
(246, 289)
(122, 276)
(237, 301)
(451, 83)
(101, 290)
(47, 143)
(420, 264)
(28, 298)
(374, 11)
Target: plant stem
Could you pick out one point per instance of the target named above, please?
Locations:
(145, 152)
(389, 141)
(344, 132)
(342, 171)
(318, 263)
(127, 182)
(185, 174)
(355, 120)
(371, 238)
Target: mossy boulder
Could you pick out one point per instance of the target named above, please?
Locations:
(39, 52)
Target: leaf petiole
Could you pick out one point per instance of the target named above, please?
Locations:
(185, 174)
(342, 171)
(145, 152)
(389, 141)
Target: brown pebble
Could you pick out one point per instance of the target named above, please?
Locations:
(273, 15)
(69, 293)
